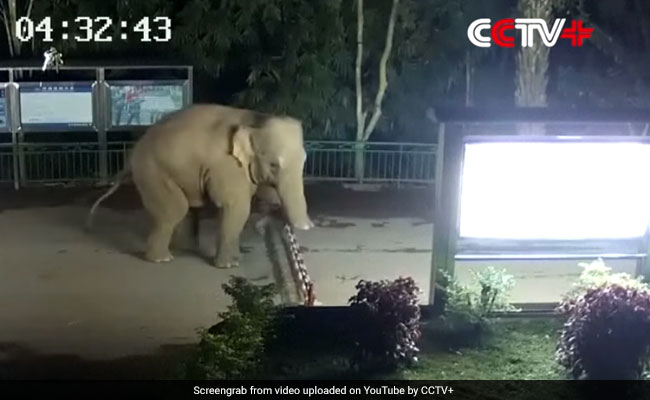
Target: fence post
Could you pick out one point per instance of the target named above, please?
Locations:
(101, 113)
(17, 137)
(9, 95)
(359, 161)
(400, 150)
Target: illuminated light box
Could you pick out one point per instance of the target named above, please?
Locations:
(553, 189)
(562, 195)
(56, 105)
(576, 193)
(142, 103)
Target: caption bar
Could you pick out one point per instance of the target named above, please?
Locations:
(382, 390)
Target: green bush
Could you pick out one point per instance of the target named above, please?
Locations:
(488, 293)
(607, 333)
(607, 330)
(597, 274)
(390, 323)
(235, 348)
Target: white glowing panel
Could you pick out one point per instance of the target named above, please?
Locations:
(555, 190)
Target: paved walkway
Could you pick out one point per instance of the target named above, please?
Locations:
(68, 292)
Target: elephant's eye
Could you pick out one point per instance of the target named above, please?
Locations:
(275, 165)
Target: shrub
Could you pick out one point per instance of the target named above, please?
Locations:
(608, 322)
(235, 348)
(607, 334)
(390, 328)
(597, 274)
(489, 292)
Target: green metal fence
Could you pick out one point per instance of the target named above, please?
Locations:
(80, 163)
(6, 163)
(383, 162)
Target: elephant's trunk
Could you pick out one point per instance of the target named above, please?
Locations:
(294, 204)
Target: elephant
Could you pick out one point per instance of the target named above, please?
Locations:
(266, 203)
(221, 154)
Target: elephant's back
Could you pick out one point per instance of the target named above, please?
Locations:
(183, 145)
(185, 134)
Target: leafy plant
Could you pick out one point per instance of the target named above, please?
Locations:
(390, 328)
(607, 333)
(489, 292)
(598, 274)
(235, 348)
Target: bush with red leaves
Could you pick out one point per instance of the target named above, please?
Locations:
(607, 334)
(390, 325)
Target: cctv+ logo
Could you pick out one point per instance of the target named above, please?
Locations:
(530, 28)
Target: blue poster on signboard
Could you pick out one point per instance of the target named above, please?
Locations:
(143, 103)
(3, 109)
(56, 105)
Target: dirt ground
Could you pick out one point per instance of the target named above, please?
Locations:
(77, 304)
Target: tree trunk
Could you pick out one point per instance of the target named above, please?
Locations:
(532, 67)
(383, 79)
(364, 131)
(469, 84)
(9, 18)
(12, 26)
(361, 116)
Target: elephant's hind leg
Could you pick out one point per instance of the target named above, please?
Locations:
(167, 205)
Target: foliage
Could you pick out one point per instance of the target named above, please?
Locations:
(291, 56)
(298, 57)
(608, 322)
(429, 64)
(390, 328)
(607, 333)
(488, 293)
(597, 274)
(612, 70)
(236, 349)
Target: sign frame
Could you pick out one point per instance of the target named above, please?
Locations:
(4, 86)
(108, 113)
(456, 124)
(56, 127)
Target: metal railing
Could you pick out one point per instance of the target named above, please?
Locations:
(79, 163)
(6, 163)
(383, 162)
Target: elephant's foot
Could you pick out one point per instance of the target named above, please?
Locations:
(227, 264)
(159, 258)
(164, 259)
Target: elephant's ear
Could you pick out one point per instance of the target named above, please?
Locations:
(242, 148)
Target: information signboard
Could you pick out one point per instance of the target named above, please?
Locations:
(142, 103)
(56, 105)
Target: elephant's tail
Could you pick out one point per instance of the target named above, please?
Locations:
(119, 179)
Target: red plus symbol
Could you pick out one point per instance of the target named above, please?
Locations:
(577, 33)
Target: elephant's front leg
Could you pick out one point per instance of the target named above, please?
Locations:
(158, 242)
(232, 220)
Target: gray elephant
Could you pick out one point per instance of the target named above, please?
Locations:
(220, 154)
